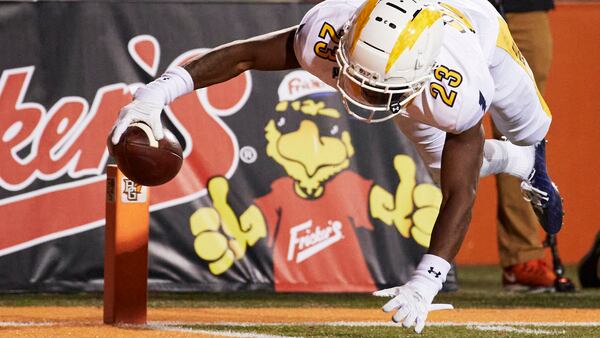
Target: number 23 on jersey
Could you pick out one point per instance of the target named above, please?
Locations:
(452, 78)
(322, 48)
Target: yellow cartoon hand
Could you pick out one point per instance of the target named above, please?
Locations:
(211, 245)
(413, 209)
(222, 237)
(396, 209)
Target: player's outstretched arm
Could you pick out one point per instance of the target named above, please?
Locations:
(273, 51)
(461, 161)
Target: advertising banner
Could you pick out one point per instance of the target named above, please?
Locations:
(280, 189)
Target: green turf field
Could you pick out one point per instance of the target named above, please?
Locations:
(480, 287)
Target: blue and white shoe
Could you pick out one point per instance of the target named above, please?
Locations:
(542, 193)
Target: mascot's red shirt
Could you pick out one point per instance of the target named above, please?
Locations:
(315, 246)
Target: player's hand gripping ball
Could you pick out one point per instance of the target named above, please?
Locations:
(145, 160)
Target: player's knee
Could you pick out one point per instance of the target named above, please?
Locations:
(531, 136)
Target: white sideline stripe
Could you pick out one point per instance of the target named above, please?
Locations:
(503, 328)
(160, 327)
(24, 324)
(375, 324)
(549, 324)
(224, 333)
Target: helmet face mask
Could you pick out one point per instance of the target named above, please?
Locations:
(381, 68)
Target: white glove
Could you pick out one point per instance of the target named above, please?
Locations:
(150, 100)
(139, 111)
(412, 307)
(413, 300)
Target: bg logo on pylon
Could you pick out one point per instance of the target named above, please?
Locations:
(133, 192)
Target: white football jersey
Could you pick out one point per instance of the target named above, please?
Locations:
(462, 88)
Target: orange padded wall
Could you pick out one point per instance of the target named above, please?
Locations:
(573, 94)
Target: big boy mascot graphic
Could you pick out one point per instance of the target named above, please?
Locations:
(310, 217)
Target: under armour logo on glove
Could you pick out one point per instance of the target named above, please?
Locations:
(433, 272)
(395, 107)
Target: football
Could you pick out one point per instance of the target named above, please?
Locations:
(145, 160)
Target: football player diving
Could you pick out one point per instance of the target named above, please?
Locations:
(436, 68)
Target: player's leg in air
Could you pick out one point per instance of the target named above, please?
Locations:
(529, 164)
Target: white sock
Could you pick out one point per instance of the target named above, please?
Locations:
(173, 83)
(503, 157)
